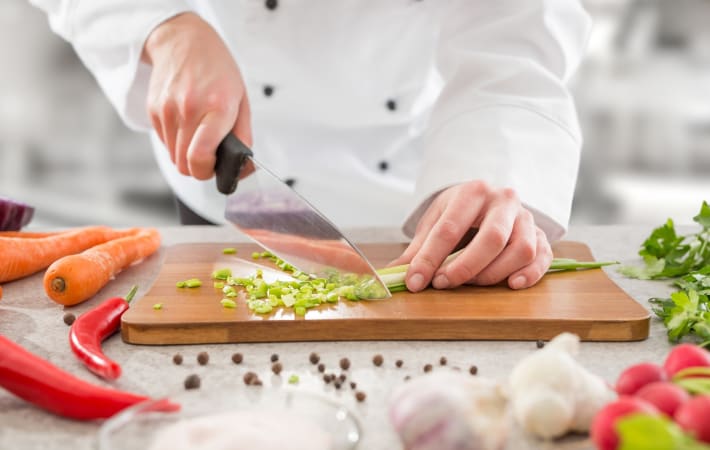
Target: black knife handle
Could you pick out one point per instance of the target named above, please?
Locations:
(231, 154)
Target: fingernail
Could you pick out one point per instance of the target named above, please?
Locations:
(416, 282)
(441, 282)
(518, 282)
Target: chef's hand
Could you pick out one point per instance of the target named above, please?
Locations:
(196, 93)
(508, 244)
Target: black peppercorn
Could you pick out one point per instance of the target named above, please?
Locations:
(360, 396)
(177, 359)
(237, 358)
(314, 358)
(540, 343)
(192, 382)
(345, 363)
(399, 363)
(378, 360)
(69, 318)
(473, 370)
(249, 378)
(274, 357)
(203, 358)
(427, 367)
(321, 367)
(442, 360)
(276, 368)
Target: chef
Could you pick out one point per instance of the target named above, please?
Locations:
(437, 116)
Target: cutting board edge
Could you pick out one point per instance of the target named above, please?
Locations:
(313, 331)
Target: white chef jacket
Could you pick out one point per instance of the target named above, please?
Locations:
(371, 107)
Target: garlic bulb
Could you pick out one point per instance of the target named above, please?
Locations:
(449, 410)
(552, 394)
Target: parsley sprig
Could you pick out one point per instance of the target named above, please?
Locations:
(686, 259)
(668, 255)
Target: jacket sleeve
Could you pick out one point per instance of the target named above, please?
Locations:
(108, 37)
(504, 115)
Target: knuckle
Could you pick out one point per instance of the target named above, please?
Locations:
(167, 108)
(216, 102)
(188, 105)
(509, 194)
(497, 236)
(476, 188)
(424, 263)
(527, 251)
(449, 231)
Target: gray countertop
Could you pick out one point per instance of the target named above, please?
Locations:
(30, 319)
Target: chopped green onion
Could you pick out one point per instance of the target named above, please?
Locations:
(293, 379)
(228, 303)
(191, 283)
(256, 255)
(222, 274)
(229, 251)
(218, 285)
(158, 306)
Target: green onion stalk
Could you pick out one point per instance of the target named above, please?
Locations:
(303, 292)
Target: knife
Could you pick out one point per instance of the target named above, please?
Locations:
(280, 220)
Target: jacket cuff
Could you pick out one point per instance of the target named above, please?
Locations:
(505, 146)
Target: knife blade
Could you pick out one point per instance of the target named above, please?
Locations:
(279, 219)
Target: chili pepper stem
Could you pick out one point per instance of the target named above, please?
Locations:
(131, 293)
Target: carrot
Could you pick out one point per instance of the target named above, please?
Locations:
(30, 234)
(76, 278)
(0, 292)
(24, 256)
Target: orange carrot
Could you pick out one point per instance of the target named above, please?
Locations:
(0, 292)
(21, 257)
(31, 234)
(76, 278)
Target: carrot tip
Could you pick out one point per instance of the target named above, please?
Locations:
(58, 285)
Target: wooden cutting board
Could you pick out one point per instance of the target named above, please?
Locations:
(587, 303)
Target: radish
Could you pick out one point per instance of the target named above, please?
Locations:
(637, 376)
(694, 417)
(665, 396)
(603, 431)
(686, 355)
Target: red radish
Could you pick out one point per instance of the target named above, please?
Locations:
(686, 355)
(694, 417)
(637, 376)
(665, 396)
(603, 430)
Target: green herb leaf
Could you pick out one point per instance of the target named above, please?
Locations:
(703, 217)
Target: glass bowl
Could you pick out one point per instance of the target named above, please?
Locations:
(233, 417)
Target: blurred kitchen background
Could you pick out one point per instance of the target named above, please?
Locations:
(643, 96)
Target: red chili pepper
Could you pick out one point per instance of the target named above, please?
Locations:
(43, 384)
(92, 327)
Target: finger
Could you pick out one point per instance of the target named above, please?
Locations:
(185, 135)
(532, 273)
(520, 252)
(458, 216)
(424, 226)
(158, 127)
(169, 123)
(492, 237)
(242, 127)
(208, 134)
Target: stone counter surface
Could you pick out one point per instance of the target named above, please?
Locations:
(29, 318)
